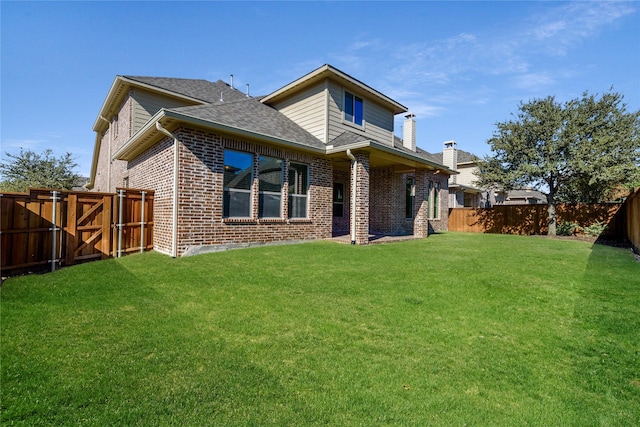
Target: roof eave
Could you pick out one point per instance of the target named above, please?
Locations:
(135, 146)
(390, 150)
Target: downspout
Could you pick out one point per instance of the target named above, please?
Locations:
(174, 228)
(108, 152)
(354, 180)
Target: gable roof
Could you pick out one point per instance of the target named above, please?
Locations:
(463, 157)
(218, 106)
(328, 71)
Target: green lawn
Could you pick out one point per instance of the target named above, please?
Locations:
(458, 329)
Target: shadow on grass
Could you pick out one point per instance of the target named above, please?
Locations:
(605, 332)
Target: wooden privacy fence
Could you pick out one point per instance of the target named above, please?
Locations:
(632, 205)
(533, 219)
(46, 229)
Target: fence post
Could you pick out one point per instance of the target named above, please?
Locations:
(142, 245)
(120, 224)
(53, 230)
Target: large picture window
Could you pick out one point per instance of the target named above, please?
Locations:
(353, 109)
(270, 191)
(238, 179)
(298, 190)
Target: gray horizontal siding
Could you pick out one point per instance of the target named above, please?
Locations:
(378, 121)
(146, 104)
(307, 109)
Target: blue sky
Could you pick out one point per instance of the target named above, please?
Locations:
(459, 66)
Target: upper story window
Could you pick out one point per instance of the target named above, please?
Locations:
(353, 109)
(270, 183)
(238, 180)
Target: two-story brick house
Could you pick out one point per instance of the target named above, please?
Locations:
(314, 159)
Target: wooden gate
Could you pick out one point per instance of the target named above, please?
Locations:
(44, 229)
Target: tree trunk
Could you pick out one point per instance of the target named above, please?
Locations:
(551, 210)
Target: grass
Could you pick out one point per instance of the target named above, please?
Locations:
(458, 329)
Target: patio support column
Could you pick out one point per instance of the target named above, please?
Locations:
(420, 220)
(362, 199)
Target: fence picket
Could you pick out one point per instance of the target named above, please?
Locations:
(43, 227)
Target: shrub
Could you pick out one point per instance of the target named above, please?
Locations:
(566, 228)
(594, 230)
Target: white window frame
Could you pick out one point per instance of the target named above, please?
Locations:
(304, 195)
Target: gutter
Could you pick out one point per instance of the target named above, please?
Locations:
(101, 117)
(176, 163)
(354, 181)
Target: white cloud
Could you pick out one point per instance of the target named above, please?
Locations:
(533, 81)
(559, 29)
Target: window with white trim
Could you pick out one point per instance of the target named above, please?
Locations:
(238, 180)
(270, 176)
(353, 109)
(298, 190)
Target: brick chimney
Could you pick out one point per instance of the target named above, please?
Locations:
(450, 157)
(409, 140)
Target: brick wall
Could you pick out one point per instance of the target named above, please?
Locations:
(200, 216)
(108, 177)
(153, 169)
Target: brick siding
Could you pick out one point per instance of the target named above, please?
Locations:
(200, 214)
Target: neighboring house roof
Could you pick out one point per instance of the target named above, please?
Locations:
(463, 157)
(526, 194)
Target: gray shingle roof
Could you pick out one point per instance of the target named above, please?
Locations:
(230, 107)
(251, 115)
(194, 88)
(397, 143)
(347, 138)
(463, 157)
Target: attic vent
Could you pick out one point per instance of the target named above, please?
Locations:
(247, 90)
(231, 81)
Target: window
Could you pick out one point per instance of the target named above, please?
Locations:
(270, 187)
(338, 199)
(353, 109)
(238, 177)
(470, 200)
(410, 197)
(429, 200)
(436, 200)
(298, 190)
(433, 202)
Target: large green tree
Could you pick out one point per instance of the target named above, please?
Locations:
(29, 169)
(574, 151)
